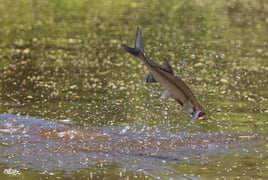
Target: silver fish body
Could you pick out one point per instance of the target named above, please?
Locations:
(175, 87)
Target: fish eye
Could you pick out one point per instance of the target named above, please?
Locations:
(201, 114)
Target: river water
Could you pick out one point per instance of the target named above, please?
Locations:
(74, 105)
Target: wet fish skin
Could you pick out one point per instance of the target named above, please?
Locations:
(175, 87)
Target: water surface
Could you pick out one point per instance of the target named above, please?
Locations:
(62, 60)
(52, 147)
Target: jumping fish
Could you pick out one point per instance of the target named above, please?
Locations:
(174, 87)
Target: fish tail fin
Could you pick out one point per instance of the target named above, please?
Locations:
(138, 47)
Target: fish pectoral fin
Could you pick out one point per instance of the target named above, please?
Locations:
(150, 78)
(165, 95)
(188, 107)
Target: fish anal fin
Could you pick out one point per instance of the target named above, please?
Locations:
(150, 78)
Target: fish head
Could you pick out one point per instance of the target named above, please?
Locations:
(198, 115)
(195, 111)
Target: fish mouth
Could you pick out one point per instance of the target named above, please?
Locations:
(199, 115)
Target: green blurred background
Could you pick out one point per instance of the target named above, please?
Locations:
(61, 59)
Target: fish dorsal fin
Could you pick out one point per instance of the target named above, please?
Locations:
(167, 67)
(150, 78)
(165, 95)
